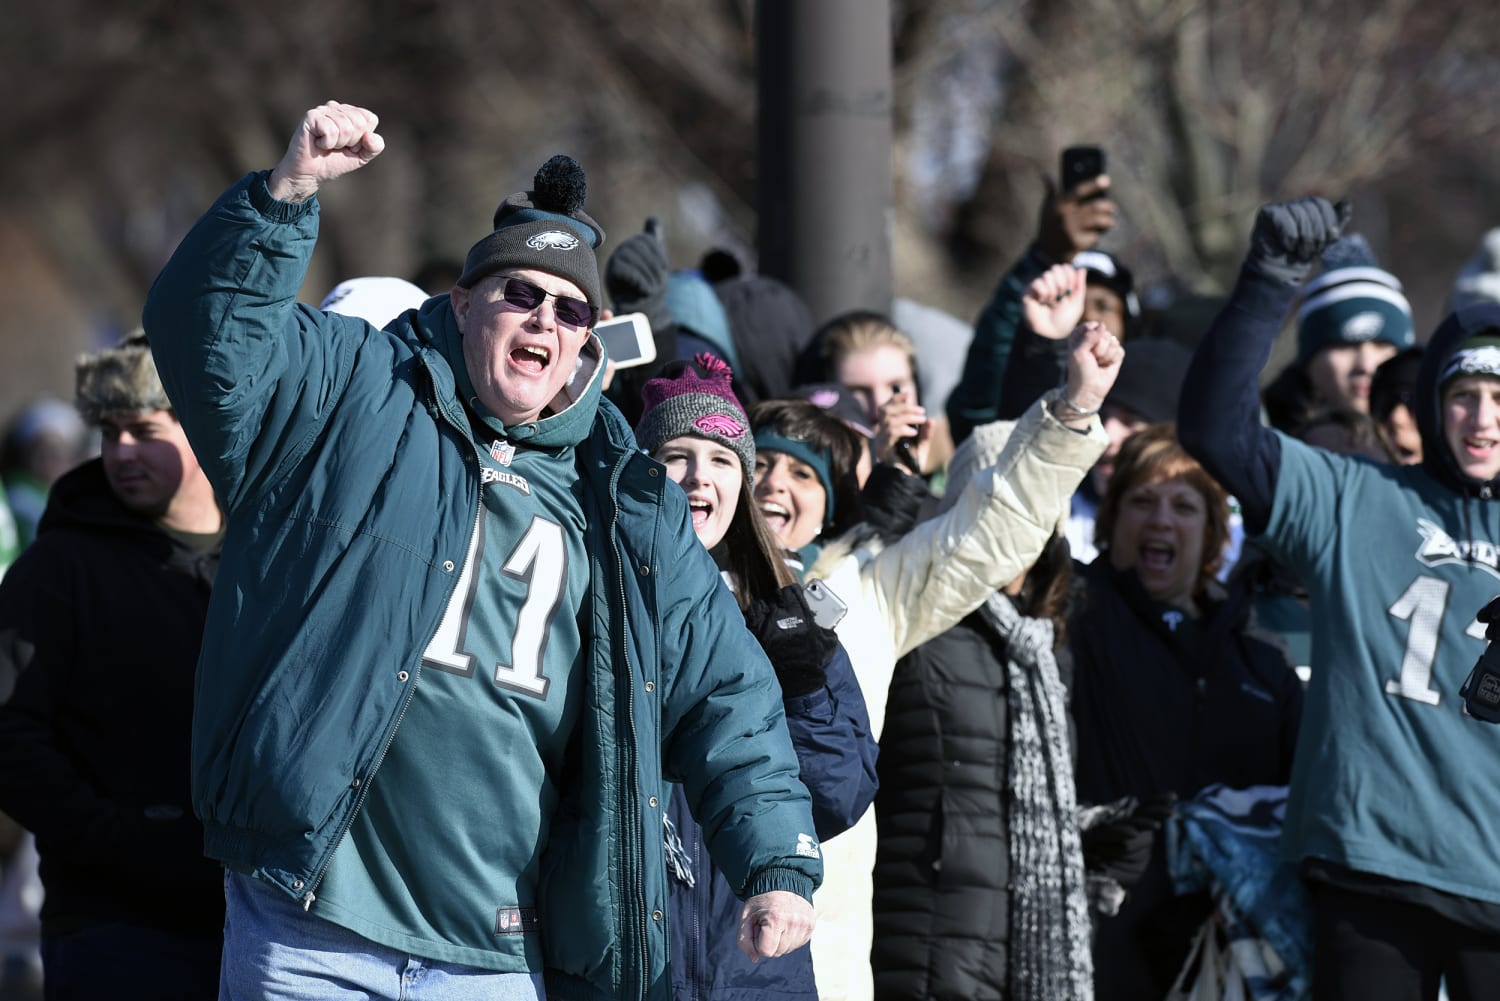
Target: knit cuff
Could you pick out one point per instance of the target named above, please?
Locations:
(776, 878)
(274, 208)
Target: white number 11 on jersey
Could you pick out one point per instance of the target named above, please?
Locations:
(540, 557)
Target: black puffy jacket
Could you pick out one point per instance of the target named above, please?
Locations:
(942, 858)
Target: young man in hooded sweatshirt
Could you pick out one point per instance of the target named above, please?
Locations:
(1393, 813)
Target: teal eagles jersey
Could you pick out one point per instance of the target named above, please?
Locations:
(1396, 566)
(442, 859)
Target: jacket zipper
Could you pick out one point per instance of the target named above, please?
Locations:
(698, 954)
(311, 896)
(630, 803)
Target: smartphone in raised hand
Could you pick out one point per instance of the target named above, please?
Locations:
(1079, 164)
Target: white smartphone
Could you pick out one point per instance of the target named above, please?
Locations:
(828, 608)
(628, 339)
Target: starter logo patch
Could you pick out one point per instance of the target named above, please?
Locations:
(516, 921)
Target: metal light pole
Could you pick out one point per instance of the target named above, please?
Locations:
(824, 136)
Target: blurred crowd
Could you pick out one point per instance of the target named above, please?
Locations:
(1115, 674)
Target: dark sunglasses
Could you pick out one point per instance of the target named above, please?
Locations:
(526, 295)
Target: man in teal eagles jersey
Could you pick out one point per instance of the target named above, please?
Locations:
(464, 627)
(1394, 813)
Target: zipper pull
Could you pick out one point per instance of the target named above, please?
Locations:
(307, 900)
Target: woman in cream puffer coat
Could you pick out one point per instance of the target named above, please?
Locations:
(903, 594)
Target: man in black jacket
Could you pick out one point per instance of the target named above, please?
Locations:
(100, 622)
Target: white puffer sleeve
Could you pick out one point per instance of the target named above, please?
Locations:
(944, 568)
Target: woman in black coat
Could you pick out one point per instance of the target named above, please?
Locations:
(1174, 690)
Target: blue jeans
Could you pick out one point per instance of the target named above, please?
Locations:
(275, 951)
(125, 961)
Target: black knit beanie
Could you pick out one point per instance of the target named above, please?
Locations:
(1150, 380)
(545, 229)
(636, 278)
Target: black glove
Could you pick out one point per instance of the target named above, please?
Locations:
(636, 276)
(1120, 846)
(1490, 616)
(796, 646)
(1289, 236)
(893, 501)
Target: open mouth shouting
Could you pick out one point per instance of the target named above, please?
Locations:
(531, 358)
(702, 509)
(1156, 557)
(777, 517)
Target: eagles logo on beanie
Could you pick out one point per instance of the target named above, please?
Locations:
(696, 398)
(1476, 355)
(545, 229)
(119, 380)
(1351, 302)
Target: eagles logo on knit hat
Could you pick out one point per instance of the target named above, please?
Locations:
(1351, 302)
(696, 398)
(545, 229)
(119, 380)
(1477, 355)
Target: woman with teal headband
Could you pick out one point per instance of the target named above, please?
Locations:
(806, 487)
(904, 594)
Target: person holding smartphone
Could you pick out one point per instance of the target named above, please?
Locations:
(1074, 216)
(694, 425)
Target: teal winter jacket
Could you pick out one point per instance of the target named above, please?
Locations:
(346, 463)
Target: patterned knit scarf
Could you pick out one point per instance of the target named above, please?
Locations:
(1049, 922)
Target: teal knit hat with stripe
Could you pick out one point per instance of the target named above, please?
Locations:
(1351, 302)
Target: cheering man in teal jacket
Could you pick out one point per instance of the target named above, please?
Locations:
(463, 628)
